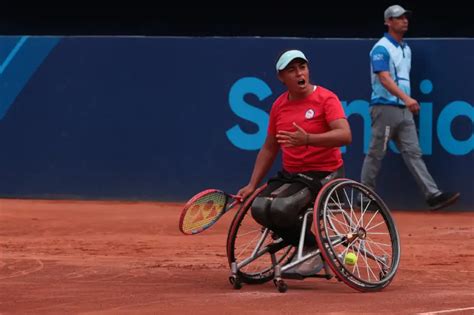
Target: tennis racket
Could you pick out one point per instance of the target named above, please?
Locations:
(204, 209)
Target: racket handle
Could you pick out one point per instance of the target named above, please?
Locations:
(237, 197)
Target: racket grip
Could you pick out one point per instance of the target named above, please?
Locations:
(236, 197)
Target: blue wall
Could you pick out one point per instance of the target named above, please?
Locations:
(163, 118)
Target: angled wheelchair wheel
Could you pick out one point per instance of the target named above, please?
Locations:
(356, 234)
(250, 247)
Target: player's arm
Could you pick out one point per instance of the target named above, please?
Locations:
(339, 132)
(265, 158)
(339, 135)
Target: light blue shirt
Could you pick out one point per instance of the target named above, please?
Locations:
(388, 55)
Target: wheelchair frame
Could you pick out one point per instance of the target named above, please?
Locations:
(339, 227)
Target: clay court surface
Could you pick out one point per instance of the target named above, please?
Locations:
(68, 257)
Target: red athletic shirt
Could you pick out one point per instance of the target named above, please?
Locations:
(313, 114)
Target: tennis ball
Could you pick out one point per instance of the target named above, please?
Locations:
(350, 259)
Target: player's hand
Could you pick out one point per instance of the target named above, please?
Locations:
(412, 105)
(246, 191)
(292, 138)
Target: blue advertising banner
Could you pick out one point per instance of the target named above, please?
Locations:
(161, 118)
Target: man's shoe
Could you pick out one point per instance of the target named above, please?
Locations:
(307, 268)
(443, 200)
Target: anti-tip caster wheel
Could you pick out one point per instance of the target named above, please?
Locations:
(235, 281)
(281, 285)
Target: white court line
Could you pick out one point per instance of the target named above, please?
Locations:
(436, 270)
(447, 311)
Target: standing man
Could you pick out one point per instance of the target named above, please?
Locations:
(392, 110)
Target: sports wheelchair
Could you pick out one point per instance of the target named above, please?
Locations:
(346, 217)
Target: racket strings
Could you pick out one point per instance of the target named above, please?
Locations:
(203, 211)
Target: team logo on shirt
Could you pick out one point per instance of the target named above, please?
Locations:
(377, 57)
(309, 114)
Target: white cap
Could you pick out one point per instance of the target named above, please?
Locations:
(288, 57)
(395, 11)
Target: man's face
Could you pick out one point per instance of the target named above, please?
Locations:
(296, 75)
(398, 24)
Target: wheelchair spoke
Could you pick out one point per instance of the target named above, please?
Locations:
(373, 227)
(377, 259)
(248, 243)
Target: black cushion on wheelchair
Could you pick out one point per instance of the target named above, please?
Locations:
(285, 211)
(260, 211)
(287, 195)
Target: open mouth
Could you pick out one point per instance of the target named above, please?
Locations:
(301, 82)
